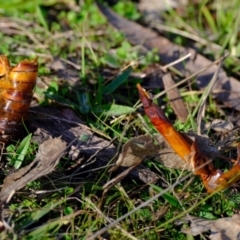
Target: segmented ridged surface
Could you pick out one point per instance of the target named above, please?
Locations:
(16, 90)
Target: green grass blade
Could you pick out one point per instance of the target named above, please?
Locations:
(113, 109)
(36, 215)
(208, 16)
(42, 231)
(119, 80)
(41, 17)
(24, 4)
(167, 196)
(21, 152)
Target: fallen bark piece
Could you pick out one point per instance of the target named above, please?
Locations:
(46, 159)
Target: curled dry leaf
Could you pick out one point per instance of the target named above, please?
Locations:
(135, 150)
(220, 125)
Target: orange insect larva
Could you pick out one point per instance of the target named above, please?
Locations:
(16, 90)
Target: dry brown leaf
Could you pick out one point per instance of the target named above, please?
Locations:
(220, 125)
(168, 158)
(175, 98)
(135, 150)
(46, 159)
(198, 225)
(226, 228)
(221, 229)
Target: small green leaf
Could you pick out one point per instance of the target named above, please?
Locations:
(167, 196)
(113, 109)
(84, 137)
(17, 159)
(111, 60)
(119, 80)
(41, 16)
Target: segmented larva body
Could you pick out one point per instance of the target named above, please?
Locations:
(16, 91)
